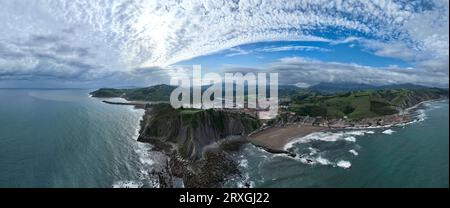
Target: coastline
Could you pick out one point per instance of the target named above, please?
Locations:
(136, 103)
(413, 150)
(272, 139)
(275, 139)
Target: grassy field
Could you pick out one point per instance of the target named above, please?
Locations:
(361, 104)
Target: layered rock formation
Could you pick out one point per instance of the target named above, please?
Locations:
(193, 139)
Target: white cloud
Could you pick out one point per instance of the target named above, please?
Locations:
(292, 48)
(305, 72)
(121, 35)
(237, 51)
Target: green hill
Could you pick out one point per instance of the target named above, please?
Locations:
(361, 104)
(153, 93)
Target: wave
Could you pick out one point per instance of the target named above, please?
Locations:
(127, 184)
(344, 164)
(243, 163)
(421, 115)
(148, 160)
(313, 151)
(245, 182)
(388, 131)
(320, 160)
(350, 139)
(323, 161)
(353, 152)
(349, 136)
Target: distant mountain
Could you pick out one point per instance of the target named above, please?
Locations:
(338, 87)
(402, 86)
(345, 87)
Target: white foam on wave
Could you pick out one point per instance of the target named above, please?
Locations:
(344, 164)
(353, 152)
(349, 136)
(388, 131)
(144, 152)
(243, 163)
(314, 157)
(350, 139)
(246, 182)
(308, 159)
(356, 133)
(421, 115)
(127, 184)
(148, 161)
(323, 161)
(305, 160)
(313, 151)
(320, 160)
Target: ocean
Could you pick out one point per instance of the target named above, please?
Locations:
(64, 138)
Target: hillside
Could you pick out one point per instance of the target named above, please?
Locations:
(349, 87)
(153, 93)
(361, 104)
(192, 129)
(195, 140)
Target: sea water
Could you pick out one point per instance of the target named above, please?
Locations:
(64, 138)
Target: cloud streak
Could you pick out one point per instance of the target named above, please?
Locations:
(306, 72)
(270, 49)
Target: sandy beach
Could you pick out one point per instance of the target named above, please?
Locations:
(275, 138)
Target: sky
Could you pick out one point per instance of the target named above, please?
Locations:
(125, 43)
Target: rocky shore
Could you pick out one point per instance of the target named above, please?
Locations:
(197, 143)
(288, 127)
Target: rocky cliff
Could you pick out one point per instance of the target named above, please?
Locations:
(412, 98)
(190, 130)
(192, 138)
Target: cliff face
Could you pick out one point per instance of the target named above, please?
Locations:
(413, 98)
(188, 138)
(189, 131)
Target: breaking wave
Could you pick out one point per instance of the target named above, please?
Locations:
(353, 152)
(344, 164)
(148, 160)
(349, 136)
(127, 184)
(388, 131)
